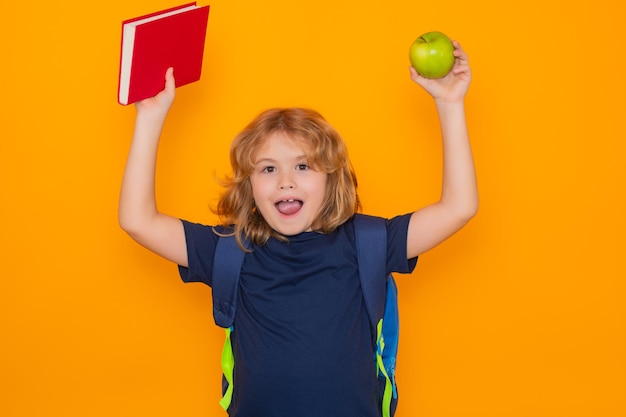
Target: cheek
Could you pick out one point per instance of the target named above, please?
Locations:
(259, 187)
(320, 185)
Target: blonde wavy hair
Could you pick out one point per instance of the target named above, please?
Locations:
(328, 153)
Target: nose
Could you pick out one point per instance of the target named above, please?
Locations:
(286, 183)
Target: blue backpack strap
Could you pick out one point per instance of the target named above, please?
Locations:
(371, 245)
(226, 269)
(380, 300)
(225, 283)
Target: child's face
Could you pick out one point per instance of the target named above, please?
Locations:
(287, 191)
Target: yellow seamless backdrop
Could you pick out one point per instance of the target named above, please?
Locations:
(520, 314)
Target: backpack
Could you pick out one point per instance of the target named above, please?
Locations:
(380, 300)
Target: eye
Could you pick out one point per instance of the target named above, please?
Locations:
(269, 169)
(302, 167)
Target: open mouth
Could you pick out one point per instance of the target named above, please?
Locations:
(288, 207)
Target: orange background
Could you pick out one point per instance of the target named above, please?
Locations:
(522, 313)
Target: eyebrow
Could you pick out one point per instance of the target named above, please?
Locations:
(272, 160)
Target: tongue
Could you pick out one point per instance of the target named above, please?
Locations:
(289, 207)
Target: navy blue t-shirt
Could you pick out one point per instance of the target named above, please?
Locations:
(302, 341)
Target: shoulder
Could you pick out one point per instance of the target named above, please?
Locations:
(393, 225)
(201, 238)
(399, 225)
(396, 230)
(204, 229)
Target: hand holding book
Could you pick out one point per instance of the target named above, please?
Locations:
(153, 43)
(158, 106)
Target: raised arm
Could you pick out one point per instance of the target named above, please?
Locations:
(433, 224)
(138, 213)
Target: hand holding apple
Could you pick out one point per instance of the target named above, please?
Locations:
(432, 55)
(451, 87)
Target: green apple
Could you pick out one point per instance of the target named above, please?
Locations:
(431, 55)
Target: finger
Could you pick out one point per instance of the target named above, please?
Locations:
(170, 82)
(419, 80)
(414, 74)
(459, 53)
(460, 69)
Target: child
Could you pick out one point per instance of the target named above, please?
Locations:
(303, 343)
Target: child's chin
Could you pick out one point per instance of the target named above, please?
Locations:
(291, 231)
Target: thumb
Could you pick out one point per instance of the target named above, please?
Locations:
(417, 78)
(170, 82)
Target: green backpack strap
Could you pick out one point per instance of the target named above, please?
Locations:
(228, 367)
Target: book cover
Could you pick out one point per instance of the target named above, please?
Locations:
(152, 43)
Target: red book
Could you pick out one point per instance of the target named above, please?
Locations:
(153, 43)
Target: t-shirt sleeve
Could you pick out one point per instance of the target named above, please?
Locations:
(201, 242)
(397, 232)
